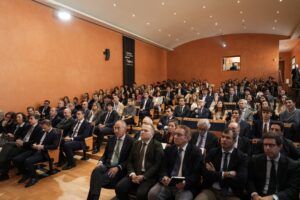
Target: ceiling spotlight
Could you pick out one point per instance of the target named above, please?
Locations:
(204, 6)
(216, 23)
(63, 15)
(114, 4)
(273, 28)
(169, 35)
(210, 16)
(133, 15)
(224, 45)
(277, 12)
(174, 13)
(198, 33)
(159, 30)
(192, 28)
(238, 1)
(241, 12)
(148, 23)
(243, 20)
(184, 21)
(177, 39)
(280, 0)
(245, 27)
(275, 20)
(162, 3)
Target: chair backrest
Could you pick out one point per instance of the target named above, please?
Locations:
(54, 154)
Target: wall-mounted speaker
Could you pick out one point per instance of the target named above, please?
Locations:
(106, 54)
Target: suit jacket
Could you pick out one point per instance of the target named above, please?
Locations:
(185, 113)
(164, 120)
(211, 140)
(66, 125)
(183, 91)
(248, 115)
(152, 162)
(257, 129)
(35, 135)
(208, 100)
(83, 132)
(235, 98)
(192, 165)
(51, 140)
(244, 129)
(205, 114)
(244, 145)
(46, 111)
(287, 175)
(96, 117)
(238, 162)
(55, 121)
(21, 131)
(148, 104)
(110, 122)
(124, 153)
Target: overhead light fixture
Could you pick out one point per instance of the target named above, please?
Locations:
(277, 12)
(224, 45)
(114, 4)
(184, 21)
(133, 15)
(275, 20)
(159, 30)
(148, 23)
(174, 13)
(238, 1)
(169, 35)
(210, 16)
(204, 6)
(241, 12)
(162, 3)
(63, 15)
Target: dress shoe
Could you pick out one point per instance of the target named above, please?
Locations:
(95, 150)
(4, 177)
(67, 167)
(31, 182)
(23, 179)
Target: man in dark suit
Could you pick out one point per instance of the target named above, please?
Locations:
(45, 109)
(112, 165)
(244, 126)
(164, 120)
(202, 138)
(180, 92)
(206, 98)
(231, 97)
(201, 111)
(66, 123)
(182, 160)
(145, 106)
(143, 166)
(53, 117)
(242, 143)
(181, 110)
(169, 96)
(148, 121)
(9, 149)
(75, 140)
(272, 175)
(105, 125)
(226, 170)
(85, 109)
(49, 140)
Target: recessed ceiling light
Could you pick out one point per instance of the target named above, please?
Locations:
(245, 27)
(177, 39)
(114, 4)
(224, 45)
(280, 0)
(148, 23)
(277, 12)
(238, 1)
(162, 3)
(275, 20)
(198, 33)
(174, 13)
(184, 21)
(203, 6)
(63, 15)
(241, 12)
(159, 30)
(192, 28)
(273, 28)
(210, 16)
(243, 20)
(133, 15)
(169, 35)
(216, 23)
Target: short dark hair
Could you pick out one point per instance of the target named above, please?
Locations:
(23, 116)
(110, 104)
(290, 99)
(173, 121)
(271, 135)
(228, 131)
(279, 123)
(187, 131)
(36, 116)
(268, 109)
(170, 107)
(46, 122)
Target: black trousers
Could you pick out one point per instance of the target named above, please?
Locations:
(69, 148)
(19, 160)
(125, 187)
(101, 132)
(100, 178)
(9, 151)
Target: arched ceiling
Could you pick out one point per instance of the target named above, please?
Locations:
(170, 23)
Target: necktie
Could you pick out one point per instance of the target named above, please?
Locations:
(106, 118)
(43, 138)
(265, 129)
(201, 141)
(144, 106)
(141, 159)
(27, 136)
(230, 98)
(176, 168)
(273, 179)
(75, 130)
(182, 110)
(225, 162)
(116, 155)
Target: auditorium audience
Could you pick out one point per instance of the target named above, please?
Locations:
(181, 110)
(45, 109)
(66, 123)
(164, 120)
(53, 117)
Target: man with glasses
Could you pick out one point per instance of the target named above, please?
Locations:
(272, 175)
(112, 165)
(242, 143)
(181, 160)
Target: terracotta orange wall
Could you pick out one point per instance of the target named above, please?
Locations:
(296, 52)
(202, 59)
(44, 58)
(286, 57)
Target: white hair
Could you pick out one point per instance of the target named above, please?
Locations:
(203, 122)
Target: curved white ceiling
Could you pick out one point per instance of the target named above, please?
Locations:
(170, 23)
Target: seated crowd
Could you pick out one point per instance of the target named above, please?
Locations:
(256, 156)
